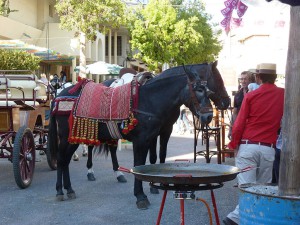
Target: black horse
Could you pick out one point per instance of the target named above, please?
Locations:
(189, 85)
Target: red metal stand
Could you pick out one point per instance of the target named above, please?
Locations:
(215, 206)
(162, 205)
(182, 211)
(182, 208)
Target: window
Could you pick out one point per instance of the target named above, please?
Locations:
(119, 46)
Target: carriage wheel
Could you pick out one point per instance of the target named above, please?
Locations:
(24, 157)
(52, 162)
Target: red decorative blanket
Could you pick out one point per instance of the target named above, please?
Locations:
(104, 103)
(98, 103)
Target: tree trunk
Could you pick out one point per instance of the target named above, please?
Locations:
(289, 182)
(82, 58)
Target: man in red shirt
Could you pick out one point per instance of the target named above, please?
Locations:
(254, 132)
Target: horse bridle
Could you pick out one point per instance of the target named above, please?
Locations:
(204, 82)
(194, 85)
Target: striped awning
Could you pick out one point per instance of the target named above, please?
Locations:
(44, 53)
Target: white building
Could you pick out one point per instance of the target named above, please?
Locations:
(36, 23)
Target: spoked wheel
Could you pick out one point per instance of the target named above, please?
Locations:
(24, 157)
(52, 162)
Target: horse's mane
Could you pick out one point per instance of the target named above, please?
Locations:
(174, 72)
(196, 68)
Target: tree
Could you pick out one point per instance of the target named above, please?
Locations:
(18, 60)
(5, 9)
(289, 184)
(162, 33)
(86, 17)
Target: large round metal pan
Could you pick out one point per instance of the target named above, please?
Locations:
(185, 173)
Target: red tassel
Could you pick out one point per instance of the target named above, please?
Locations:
(130, 126)
(134, 121)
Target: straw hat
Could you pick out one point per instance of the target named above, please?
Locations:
(267, 68)
(254, 70)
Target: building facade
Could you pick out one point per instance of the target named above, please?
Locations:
(35, 23)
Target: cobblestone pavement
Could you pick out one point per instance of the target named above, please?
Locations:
(105, 201)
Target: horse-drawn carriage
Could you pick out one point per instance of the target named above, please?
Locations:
(24, 106)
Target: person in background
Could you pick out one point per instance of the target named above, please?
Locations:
(254, 132)
(244, 80)
(183, 123)
(256, 81)
(276, 164)
(63, 77)
(44, 79)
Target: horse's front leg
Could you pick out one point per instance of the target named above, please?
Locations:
(89, 164)
(152, 151)
(113, 153)
(153, 159)
(164, 139)
(140, 151)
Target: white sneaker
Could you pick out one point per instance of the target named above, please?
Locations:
(75, 157)
(84, 152)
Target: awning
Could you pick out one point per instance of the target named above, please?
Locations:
(46, 55)
(101, 68)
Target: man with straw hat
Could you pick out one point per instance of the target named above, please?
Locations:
(254, 132)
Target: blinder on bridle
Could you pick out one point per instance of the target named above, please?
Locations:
(197, 85)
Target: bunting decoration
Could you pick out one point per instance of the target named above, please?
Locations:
(232, 6)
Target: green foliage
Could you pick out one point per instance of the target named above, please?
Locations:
(90, 16)
(4, 8)
(163, 33)
(18, 60)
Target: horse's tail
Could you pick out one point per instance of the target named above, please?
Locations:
(101, 149)
(52, 136)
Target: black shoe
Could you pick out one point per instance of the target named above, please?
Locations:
(228, 221)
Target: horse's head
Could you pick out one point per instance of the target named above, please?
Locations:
(216, 89)
(198, 102)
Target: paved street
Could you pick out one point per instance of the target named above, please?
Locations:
(105, 201)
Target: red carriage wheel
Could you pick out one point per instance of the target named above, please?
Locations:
(24, 157)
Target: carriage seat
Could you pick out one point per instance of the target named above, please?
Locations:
(27, 84)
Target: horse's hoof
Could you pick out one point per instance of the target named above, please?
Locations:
(91, 177)
(84, 153)
(143, 203)
(41, 152)
(121, 179)
(154, 190)
(59, 197)
(71, 195)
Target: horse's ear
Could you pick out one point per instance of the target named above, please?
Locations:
(189, 73)
(215, 64)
